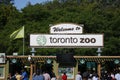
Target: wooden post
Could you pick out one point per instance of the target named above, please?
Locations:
(55, 68)
(99, 70)
(31, 71)
(34, 68)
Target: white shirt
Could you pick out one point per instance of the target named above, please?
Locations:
(112, 75)
(95, 78)
(46, 76)
(78, 77)
(53, 78)
(117, 76)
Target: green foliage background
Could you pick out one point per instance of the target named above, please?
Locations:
(98, 16)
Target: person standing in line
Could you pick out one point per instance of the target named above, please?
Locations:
(95, 77)
(64, 76)
(85, 75)
(112, 75)
(38, 76)
(46, 75)
(117, 75)
(9, 76)
(24, 75)
(18, 76)
(78, 76)
(109, 76)
(53, 76)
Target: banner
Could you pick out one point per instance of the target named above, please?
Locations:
(67, 40)
(18, 33)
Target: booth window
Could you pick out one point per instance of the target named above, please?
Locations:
(2, 71)
(68, 70)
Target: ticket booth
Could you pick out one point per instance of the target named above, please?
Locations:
(84, 63)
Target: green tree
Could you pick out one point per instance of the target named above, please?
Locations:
(97, 16)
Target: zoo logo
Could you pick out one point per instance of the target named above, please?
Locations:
(41, 40)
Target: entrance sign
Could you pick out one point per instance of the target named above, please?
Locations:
(66, 40)
(66, 28)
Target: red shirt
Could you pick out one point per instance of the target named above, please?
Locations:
(64, 77)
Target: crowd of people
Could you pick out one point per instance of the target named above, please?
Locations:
(39, 75)
(115, 75)
(94, 76)
(23, 75)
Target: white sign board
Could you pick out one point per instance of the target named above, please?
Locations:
(68, 40)
(2, 57)
(66, 28)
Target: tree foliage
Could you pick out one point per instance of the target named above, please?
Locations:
(98, 16)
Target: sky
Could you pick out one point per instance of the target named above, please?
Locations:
(19, 4)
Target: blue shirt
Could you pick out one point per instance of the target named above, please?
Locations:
(38, 77)
(25, 76)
